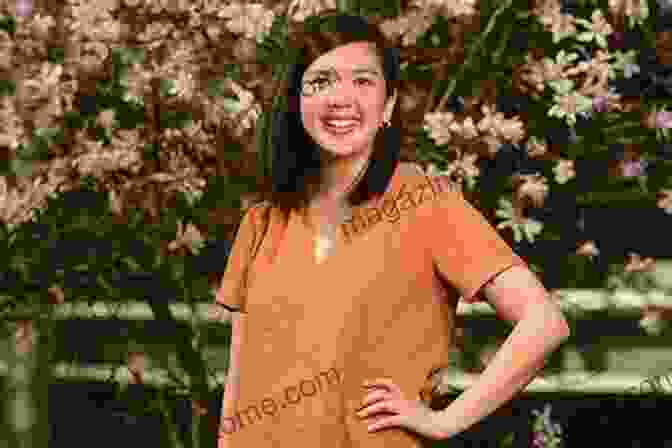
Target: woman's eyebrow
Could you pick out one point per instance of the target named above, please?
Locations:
(371, 70)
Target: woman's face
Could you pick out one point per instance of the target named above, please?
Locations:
(345, 84)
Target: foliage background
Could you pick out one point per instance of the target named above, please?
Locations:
(133, 134)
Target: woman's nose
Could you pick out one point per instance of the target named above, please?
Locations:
(340, 92)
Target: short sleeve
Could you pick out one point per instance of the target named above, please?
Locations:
(466, 250)
(232, 293)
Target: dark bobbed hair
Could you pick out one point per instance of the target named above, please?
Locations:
(295, 172)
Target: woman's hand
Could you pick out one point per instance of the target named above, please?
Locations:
(386, 397)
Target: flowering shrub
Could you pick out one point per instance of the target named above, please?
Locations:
(163, 106)
(546, 433)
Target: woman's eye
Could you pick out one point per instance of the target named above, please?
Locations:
(364, 80)
(323, 82)
(319, 81)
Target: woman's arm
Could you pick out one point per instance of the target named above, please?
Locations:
(540, 328)
(230, 399)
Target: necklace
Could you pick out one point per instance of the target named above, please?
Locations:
(324, 241)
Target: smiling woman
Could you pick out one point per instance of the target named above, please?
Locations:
(381, 306)
(345, 70)
(327, 111)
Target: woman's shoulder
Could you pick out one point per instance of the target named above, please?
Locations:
(257, 211)
(411, 169)
(259, 206)
(263, 212)
(412, 175)
(406, 174)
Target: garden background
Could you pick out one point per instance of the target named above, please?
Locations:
(134, 134)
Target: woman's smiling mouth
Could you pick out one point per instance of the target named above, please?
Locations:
(340, 126)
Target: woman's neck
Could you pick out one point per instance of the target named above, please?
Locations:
(340, 173)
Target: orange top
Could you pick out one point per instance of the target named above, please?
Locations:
(382, 304)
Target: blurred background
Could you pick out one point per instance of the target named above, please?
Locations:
(134, 134)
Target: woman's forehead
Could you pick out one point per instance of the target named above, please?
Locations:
(348, 57)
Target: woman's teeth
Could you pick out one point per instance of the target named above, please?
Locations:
(341, 123)
(341, 126)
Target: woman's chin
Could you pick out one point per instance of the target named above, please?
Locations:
(341, 151)
(342, 148)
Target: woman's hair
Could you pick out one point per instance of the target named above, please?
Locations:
(295, 170)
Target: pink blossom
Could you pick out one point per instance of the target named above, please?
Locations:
(539, 440)
(633, 168)
(664, 120)
(24, 7)
(600, 104)
(616, 40)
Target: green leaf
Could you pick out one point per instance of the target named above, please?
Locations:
(601, 41)
(20, 167)
(232, 71)
(583, 22)
(565, 58)
(33, 151)
(8, 24)
(130, 56)
(73, 120)
(87, 182)
(532, 228)
(216, 87)
(56, 55)
(585, 37)
(132, 263)
(167, 88)
(150, 151)
(176, 268)
(562, 86)
(7, 87)
(508, 440)
(175, 119)
(231, 105)
(50, 134)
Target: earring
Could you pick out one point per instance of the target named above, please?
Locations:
(386, 124)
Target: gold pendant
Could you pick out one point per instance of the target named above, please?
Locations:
(325, 241)
(323, 245)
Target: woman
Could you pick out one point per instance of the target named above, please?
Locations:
(361, 262)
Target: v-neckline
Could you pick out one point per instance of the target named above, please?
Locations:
(309, 239)
(308, 234)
